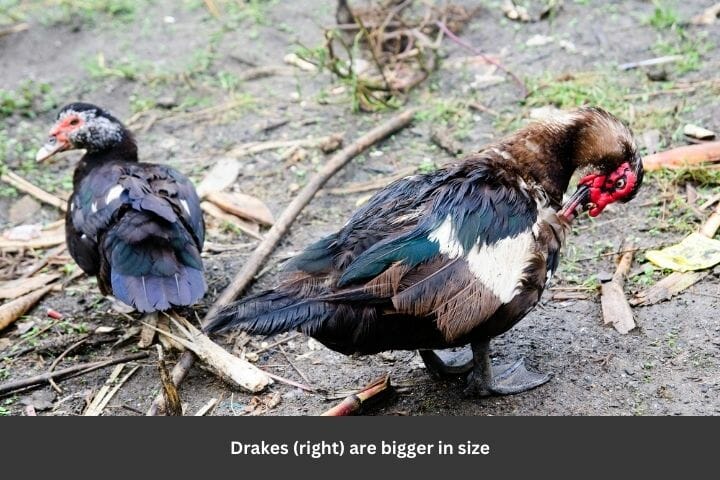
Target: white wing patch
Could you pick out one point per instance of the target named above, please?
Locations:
(500, 266)
(184, 204)
(445, 236)
(93, 207)
(113, 194)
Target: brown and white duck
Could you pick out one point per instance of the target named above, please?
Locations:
(453, 257)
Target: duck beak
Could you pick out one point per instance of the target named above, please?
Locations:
(51, 147)
(579, 200)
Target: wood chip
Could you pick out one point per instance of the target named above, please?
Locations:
(700, 133)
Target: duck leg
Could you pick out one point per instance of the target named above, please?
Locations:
(485, 380)
(448, 363)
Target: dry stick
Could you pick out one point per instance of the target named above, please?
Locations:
(170, 393)
(489, 60)
(207, 407)
(106, 398)
(283, 223)
(27, 187)
(177, 375)
(75, 369)
(683, 157)
(59, 358)
(352, 403)
(92, 409)
(40, 264)
(292, 364)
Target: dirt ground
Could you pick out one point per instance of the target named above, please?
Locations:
(146, 56)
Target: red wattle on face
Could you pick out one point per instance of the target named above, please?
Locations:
(604, 189)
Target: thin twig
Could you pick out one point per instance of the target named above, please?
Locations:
(59, 359)
(74, 371)
(295, 367)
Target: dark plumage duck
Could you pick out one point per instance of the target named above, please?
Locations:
(455, 256)
(137, 226)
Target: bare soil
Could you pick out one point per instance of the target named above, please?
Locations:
(667, 366)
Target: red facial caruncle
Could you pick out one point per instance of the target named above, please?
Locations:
(606, 189)
(59, 139)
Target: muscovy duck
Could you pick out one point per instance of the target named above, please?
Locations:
(453, 257)
(137, 226)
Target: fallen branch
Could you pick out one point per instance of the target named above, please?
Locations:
(615, 307)
(59, 358)
(283, 223)
(354, 402)
(27, 187)
(75, 370)
(683, 157)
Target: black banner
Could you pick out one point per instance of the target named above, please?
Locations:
(356, 447)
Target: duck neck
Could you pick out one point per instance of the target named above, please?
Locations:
(124, 151)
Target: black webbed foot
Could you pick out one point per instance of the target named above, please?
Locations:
(507, 379)
(448, 363)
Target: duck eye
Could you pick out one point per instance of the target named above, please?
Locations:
(620, 184)
(74, 122)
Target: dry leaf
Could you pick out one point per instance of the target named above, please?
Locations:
(220, 176)
(250, 228)
(243, 206)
